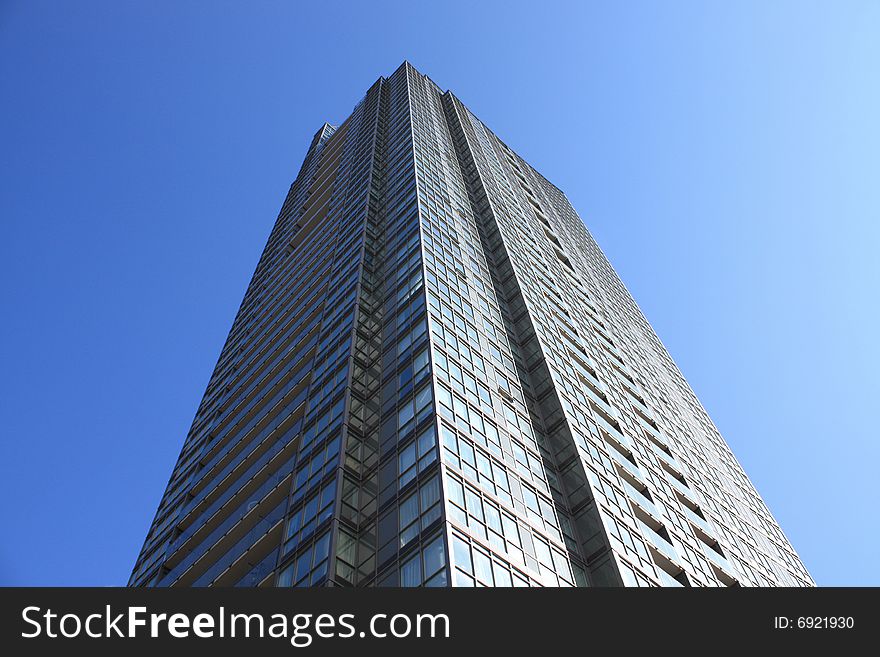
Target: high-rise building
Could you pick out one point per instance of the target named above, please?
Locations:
(436, 378)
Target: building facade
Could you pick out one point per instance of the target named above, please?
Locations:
(436, 378)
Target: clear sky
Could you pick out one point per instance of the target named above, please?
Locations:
(725, 155)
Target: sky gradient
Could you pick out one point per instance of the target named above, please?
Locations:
(726, 156)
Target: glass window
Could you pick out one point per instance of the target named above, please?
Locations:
(311, 509)
(405, 414)
(560, 563)
(520, 580)
(303, 565)
(484, 466)
(411, 572)
(423, 398)
(502, 575)
(462, 580)
(434, 556)
(499, 475)
(474, 504)
(430, 493)
(294, 525)
(493, 518)
(467, 453)
(407, 457)
(542, 551)
(444, 396)
(511, 531)
(286, 576)
(328, 495)
(421, 360)
(449, 438)
(483, 567)
(456, 492)
(404, 343)
(491, 432)
(426, 441)
(322, 547)
(461, 552)
(409, 510)
(530, 499)
(347, 548)
(461, 409)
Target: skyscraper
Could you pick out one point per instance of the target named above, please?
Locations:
(436, 378)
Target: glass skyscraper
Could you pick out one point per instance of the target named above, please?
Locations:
(436, 378)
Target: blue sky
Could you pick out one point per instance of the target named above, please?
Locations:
(725, 155)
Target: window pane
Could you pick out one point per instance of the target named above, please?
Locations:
(311, 509)
(456, 492)
(493, 518)
(294, 525)
(409, 533)
(438, 580)
(474, 504)
(426, 441)
(511, 531)
(462, 554)
(502, 575)
(484, 466)
(434, 556)
(483, 567)
(347, 549)
(409, 511)
(405, 414)
(462, 580)
(461, 409)
(286, 577)
(449, 439)
(530, 499)
(421, 360)
(423, 397)
(328, 495)
(407, 458)
(410, 572)
(322, 547)
(444, 396)
(430, 493)
(467, 453)
(303, 565)
(492, 432)
(542, 551)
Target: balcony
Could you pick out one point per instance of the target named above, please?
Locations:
(656, 435)
(663, 546)
(612, 431)
(596, 400)
(638, 404)
(628, 466)
(669, 460)
(718, 561)
(647, 505)
(629, 384)
(683, 490)
(701, 523)
(668, 580)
